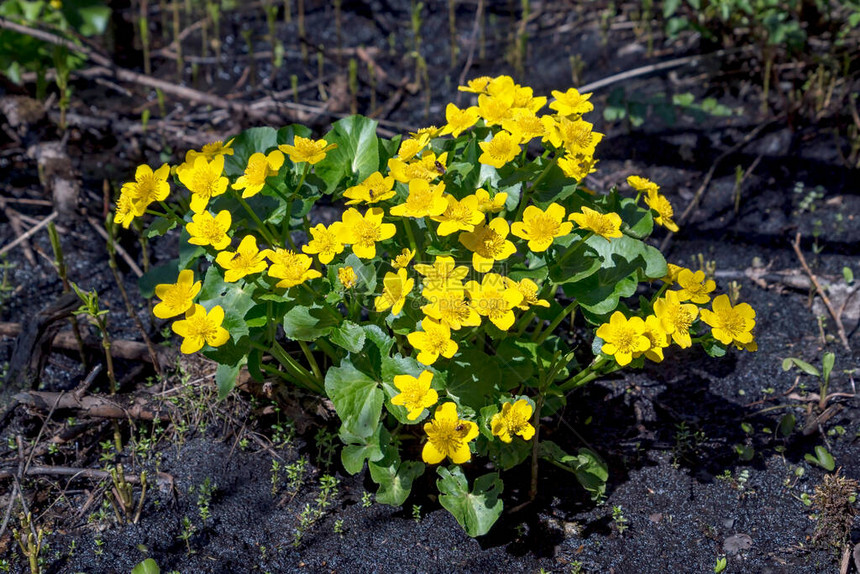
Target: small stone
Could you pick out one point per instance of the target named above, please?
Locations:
(729, 522)
(656, 517)
(736, 543)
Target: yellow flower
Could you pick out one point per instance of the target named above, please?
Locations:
(488, 204)
(148, 186)
(415, 393)
(577, 166)
(576, 136)
(676, 317)
(672, 274)
(373, 189)
(347, 277)
(443, 274)
(307, 150)
(448, 435)
(428, 167)
(410, 147)
(529, 290)
(423, 200)
(124, 210)
(260, 167)
(210, 151)
(495, 109)
(176, 298)
(488, 244)
(514, 419)
(396, 287)
(524, 101)
(525, 126)
(730, 324)
(622, 337)
(657, 338)
(362, 232)
(694, 287)
(199, 328)
(571, 102)
(664, 211)
(450, 308)
(494, 300)
(461, 215)
(540, 228)
(326, 242)
(402, 261)
(246, 260)
(476, 86)
(500, 150)
(606, 226)
(643, 184)
(207, 230)
(290, 267)
(434, 340)
(459, 120)
(204, 180)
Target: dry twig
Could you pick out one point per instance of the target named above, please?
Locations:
(837, 317)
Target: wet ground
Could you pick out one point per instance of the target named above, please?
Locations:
(698, 467)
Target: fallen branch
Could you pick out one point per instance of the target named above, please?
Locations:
(114, 407)
(837, 318)
(121, 349)
(164, 480)
(29, 233)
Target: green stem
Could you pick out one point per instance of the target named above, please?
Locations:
(264, 231)
(571, 252)
(305, 378)
(170, 213)
(525, 198)
(305, 171)
(525, 321)
(311, 360)
(588, 374)
(407, 223)
(555, 322)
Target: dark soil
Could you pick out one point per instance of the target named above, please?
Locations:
(669, 432)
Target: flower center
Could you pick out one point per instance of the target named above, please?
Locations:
(367, 233)
(625, 339)
(493, 243)
(204, 182)
(211, 230)
(732, 322)
(499, 148)
(544, 227)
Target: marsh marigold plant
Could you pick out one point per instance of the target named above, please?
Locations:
(441, 298)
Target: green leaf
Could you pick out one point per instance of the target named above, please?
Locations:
(589, 469)
(308, 323)
(350, 336)
(358, 449)
(159, 227)
(187, 251)
(822, 458)
(235, 298)
(790, 362)
(394, 478)
(226, 377)
(475, 511)
(786, 425)
(827, 365)
(166, 273)
(356, 155)
(249, 142)
(148, 566)
(357, 399)
(472, 376)
(670, 7)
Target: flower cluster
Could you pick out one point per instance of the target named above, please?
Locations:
(435, 291)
